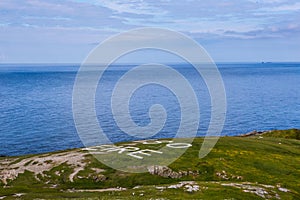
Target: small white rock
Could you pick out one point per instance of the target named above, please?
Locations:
(283, 189)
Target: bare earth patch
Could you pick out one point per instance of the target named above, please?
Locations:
(264, 191)
(10, 169)
(99, 190)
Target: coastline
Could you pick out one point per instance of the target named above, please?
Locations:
(248, 134)
(252, 166)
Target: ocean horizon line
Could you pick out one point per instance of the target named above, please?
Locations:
(140, 63)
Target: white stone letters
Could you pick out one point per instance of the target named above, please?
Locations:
(145, 152)
(179, 145)
(136, 152)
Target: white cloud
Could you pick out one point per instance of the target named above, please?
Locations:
(48, 18)
(268, 1)
(84, 22)
(284, 8)
(139, 7)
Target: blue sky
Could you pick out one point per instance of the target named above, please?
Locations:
(39, 31)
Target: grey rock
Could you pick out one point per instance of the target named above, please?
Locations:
(163, 171)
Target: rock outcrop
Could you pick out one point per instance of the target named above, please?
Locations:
(163, 171)
(166, 172)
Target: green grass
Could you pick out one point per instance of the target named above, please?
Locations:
(288, 134)
(271, 159)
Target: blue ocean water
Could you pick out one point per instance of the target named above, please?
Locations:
(36, 103)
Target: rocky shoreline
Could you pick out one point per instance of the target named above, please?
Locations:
(254, 133)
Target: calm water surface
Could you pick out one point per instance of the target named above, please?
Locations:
(36, 103)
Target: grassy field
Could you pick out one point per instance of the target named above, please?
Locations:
(263, 166)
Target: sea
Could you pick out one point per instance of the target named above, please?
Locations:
(36, 113)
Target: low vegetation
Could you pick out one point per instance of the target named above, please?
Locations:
(260, 166)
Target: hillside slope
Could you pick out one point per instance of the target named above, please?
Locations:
(261, 166)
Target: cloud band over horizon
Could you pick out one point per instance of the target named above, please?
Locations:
(66, 31)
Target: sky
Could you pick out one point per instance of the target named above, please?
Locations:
(53, 31)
